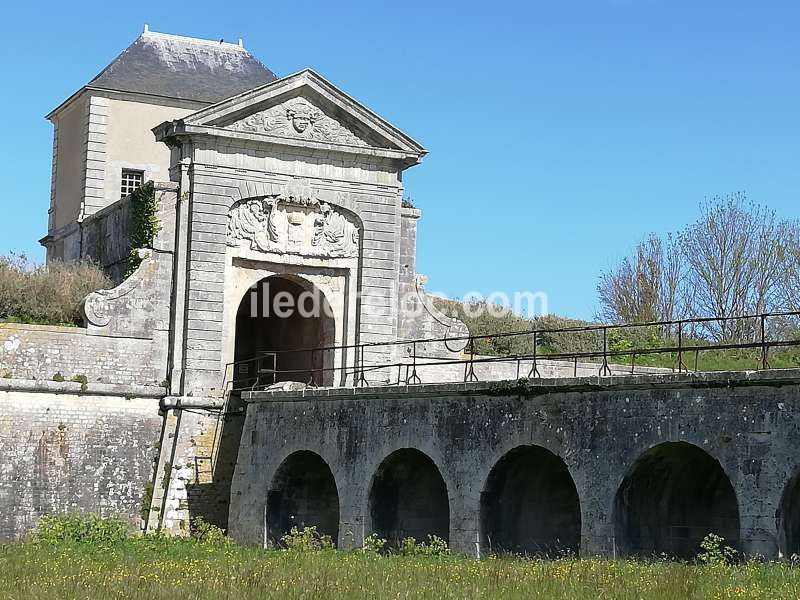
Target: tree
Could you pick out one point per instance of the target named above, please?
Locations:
(734, 253)
(646, 287)
(790, 290)
(738, 258)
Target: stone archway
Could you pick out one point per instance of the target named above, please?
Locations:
(789, 518)
(302, 494)
(282, 323)
(408, 498)
(674, 495)
(530, 505)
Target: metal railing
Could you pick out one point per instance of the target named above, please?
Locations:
(683, 340)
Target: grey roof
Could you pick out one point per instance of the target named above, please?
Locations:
(183, 67)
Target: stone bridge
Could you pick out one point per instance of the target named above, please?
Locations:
(633, 465)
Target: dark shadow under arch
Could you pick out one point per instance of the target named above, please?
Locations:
(303, 493)
(674, 495)
(262, 331)
(408, 498)
(789, 518)
(530, 505)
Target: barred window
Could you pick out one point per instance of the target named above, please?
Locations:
(130, 181)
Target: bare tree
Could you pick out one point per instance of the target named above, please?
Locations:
(737, 258)
(734, 254)
(790, 275)
(646, 287)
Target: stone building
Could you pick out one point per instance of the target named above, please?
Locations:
(254, 186)
(255, 179)
(258, 178)
(102, 143)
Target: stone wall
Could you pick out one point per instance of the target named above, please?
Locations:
(67, 450)
(105, 238)
(195, 465)
(417, 316)
(38, 352)
(598, 428)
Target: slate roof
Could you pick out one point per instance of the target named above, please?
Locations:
(185, 68)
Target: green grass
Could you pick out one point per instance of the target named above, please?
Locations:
(156, 569)
(720, 360)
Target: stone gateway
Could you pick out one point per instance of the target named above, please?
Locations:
(187, 394)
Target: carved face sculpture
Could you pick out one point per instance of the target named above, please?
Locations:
(301, 117)
(257, 210)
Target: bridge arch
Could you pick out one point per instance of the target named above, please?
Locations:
(302, 493)
(789, 517)
(530, 505)
(671, 498)
(279, 320)
(408, 498)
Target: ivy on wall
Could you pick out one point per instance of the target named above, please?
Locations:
(144, 224)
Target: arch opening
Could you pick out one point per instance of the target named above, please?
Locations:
(279, 324)
(408, 498)
(674, 495)
(303, 494)
(530, 505)
(789, 518)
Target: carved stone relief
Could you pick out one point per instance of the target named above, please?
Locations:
(289, 225)
(298, 118)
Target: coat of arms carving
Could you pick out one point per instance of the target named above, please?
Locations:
(289, 225)
(298, 118)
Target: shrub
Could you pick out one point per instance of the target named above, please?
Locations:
(144, 224)
(306, 540)
(82, 529)
(58, 378)
(715, 552)
(435, 546)
(46, 294)
(488, 320)
(206, 533)
(373, 544)
(82, 379)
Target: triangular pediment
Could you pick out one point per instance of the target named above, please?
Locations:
(305, 108)
(300, 119)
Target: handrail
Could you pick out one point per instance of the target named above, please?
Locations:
(604, 356)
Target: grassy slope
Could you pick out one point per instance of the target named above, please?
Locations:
(177, 570)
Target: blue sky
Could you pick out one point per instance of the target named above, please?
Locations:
(560, 133)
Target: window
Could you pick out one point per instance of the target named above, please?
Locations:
(130, 181)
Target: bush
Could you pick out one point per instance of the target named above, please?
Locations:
(373, 544)
(83, 380)
(435, 546)
(80, 529)
(206, 533)
(715, 552)
(144, 224)
(490, 320)
(46, 294)
(306, 540)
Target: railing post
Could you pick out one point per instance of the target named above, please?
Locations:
(469, 370)
(605, 370)
(312, 371)
(534, 372)
(413, 378)
(764, 345)
(681, 366)
(361, 380)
